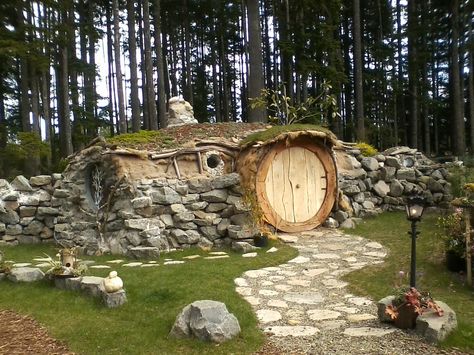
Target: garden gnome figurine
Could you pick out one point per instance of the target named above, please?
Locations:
(112, 283)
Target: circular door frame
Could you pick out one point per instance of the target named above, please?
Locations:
(327, 160)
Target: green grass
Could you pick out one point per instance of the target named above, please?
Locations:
(155, 297)
(390, 229)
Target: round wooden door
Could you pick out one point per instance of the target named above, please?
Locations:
(296, 186)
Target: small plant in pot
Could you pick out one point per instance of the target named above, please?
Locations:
(408, 304)
(65, 265)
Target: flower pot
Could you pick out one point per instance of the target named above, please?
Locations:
(454, 262)
(406, 317)
(260, 241)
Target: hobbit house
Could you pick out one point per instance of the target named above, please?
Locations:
(180, 187)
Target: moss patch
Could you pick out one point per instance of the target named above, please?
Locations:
(275, 131)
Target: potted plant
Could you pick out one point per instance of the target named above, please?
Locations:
(58, 269)
(408, 304)
(453, 235)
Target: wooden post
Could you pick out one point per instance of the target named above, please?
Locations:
(468, 247)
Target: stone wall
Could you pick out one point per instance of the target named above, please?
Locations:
(28, 209)
(371, 185)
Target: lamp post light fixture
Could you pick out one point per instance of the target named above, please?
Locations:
(414, 208)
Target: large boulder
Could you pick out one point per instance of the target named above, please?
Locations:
(435, 328)
(206, 320)
(180, 112)
(25, 274)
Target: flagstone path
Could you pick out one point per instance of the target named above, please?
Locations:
(304, 306)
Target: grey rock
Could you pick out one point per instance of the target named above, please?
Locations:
(25, 274)
(27, 211)
(201, 205)
(222, 227)
(241, 232)
(144, 252)
(206, 244)
(241, 219)
(381, 306)
(210, 232)
(91, 285)
(10, 196)
(238, 204)
(206, 320)
(40, 180)
(199, 185)
(216, 207)
(186, 225)
(34, 228)
(348, 224)
(243, 247)
(387, 173)
(134, 238)
(193, 236)
(165, 196)
(46, 233)
(381, 188)
(374, 175)
(406, 174)
(2, 230)
(180, 235)
(160, 242)
(9, 238)
(368, 205)
(396, 188)
(215, 196)
(115, 299)
(340, 216)
(380, 157)
(20, 183)
(14, 229)
(393, 162)
(184, 217)
(354, 174)
(73, 283)
(437, 175)
(167, 219)
(182, 188)
(141, 202)
(434, 186)
(61, 193)
(351, 189)
(177, 208)
(29, 200)
(142, 223)
(369, 163)
(226, 180)
(190, 198)
(47, 211)
(9, 217)
(435, 328)
(359, 198)
(408, 187)
(331, 223)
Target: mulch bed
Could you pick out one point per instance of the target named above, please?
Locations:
(21, 334)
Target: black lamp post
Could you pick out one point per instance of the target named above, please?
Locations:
(414, 208)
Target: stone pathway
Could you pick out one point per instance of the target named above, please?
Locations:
(304, 305)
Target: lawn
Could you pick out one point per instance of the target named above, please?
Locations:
(390, 229)
(155, 296)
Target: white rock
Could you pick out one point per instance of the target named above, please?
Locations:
(350, 310)
(294, 331)
(360, 317)
(322, 314)
(217, 253)
(190, 257)
(249, 255)
(333, 283)
(299, 282)
(254, 301)
(256, 273)
(149, 265)
(272, 250)
(368, 332)
(267, 283)
(314, 272)
(117, 261)
(303, 297)
(271, 268)
(241, 282)
(326, 256)
(299, 260)
(268, 293)
(112, 283)
(276, 277)
(277, 304)
(350, 259)
(244, 291)
(216, 257)
(374, 245)
(100, 267)
(268, 315)
(283, 287)
(173, 262)
(21, 264)
(134, 264)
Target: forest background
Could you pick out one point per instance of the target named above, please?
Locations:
(386, 72)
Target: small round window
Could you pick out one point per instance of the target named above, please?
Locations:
(408, 162)
(213, 163)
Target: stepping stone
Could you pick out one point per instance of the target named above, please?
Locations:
(349, 310)
(190, 257)
(266, 283)
(268, 293)
(217, 253)
(152, 262)
(241, 282)
(374, 245)
(268, 315)
(314, 272)
(249, 255)
(244, 291)
(294, 331)
(168, 259)
(299, 282)
(100, 267)
(21, 264)
(350, 259)
(43, 265)
(271, 268)
(303, 297)
(135, 264)
(299, 260)
(216, 257)
(360, 301)
(360, 317)
(272, 250)
(332, 324)
(173, 262)
(334, 247)
(293, 322)
(117, 261)
(287, 273)
(254, 301)
(322, 314)
(358, 265)
(276, 277)
(283, 287)
(333, 283)
(277, 304)
(255, 273)
(286, 238)
(367, 332)
(326, 256)
(376, 254)
(149, 265)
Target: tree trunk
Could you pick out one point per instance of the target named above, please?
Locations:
(459, 139)
(132, 49)
(413, 73)
(358, 80)
(150, 87)
(160, 66)
(471, 86)
(255, 78)
(118, 68)
(188, 87)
